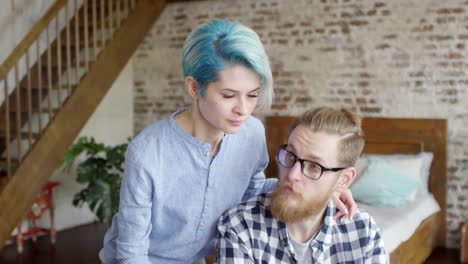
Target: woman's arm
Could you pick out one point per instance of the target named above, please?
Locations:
(134, 217)
(258, 182)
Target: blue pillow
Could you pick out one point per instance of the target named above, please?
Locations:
(383, 185)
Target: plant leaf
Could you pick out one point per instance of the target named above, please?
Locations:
(101, 171)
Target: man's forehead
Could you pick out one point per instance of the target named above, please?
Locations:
(312, 144)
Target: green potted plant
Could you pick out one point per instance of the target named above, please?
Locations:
(100, 172)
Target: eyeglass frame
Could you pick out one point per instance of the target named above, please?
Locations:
(301, 162)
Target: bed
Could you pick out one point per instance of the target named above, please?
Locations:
(395, 136)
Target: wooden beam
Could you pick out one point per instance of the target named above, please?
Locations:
(46, 155)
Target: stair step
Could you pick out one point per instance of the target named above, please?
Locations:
(44, 80)
(3, 172)
(3, 164)
(25, 110)
(24, 100)
(64, 75)
(92, 54)
(33, 95)
(23, 135)
(24, 116)
(24, 127)
(37, 126)
(54, 64)
(82, 46)
(106, 4)
(3, 180)
(81, 35)
(24, 97)
(14, 144)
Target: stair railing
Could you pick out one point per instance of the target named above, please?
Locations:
(41, 72)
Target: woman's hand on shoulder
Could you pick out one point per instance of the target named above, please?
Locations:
(345, 204)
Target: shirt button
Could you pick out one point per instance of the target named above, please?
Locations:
(207, 153)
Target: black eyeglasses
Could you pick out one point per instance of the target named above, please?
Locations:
(310, 169)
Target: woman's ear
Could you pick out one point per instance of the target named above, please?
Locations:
(192, 88)
(347, 177)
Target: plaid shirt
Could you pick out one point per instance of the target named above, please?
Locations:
(248, 233)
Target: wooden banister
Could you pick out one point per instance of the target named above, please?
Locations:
(30, 38)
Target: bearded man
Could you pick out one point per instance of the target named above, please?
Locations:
(295, 223)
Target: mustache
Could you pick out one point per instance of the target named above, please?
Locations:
(290, 185)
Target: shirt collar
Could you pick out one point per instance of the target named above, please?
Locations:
(324, 235)
(326, 229)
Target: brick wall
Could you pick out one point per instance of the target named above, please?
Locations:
(395, 58)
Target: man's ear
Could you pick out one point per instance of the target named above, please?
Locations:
(192, 87)
(347, 177)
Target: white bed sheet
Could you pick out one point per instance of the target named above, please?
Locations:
(398, 224)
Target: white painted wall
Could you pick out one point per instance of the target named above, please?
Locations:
(17, 21)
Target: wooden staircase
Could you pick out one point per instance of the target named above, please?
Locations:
(48, 98)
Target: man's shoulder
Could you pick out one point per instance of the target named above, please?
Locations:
(361, 221)
(361, 227)
(358, 238)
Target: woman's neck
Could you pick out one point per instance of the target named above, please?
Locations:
(196, 125)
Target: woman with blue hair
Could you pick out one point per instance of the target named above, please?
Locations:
(184, 171)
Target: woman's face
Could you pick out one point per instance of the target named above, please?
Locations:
(229, 101)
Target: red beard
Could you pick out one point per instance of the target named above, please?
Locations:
(290, 206)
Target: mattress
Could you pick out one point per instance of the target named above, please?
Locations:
(398, 224)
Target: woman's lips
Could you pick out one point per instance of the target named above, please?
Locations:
(235, 122)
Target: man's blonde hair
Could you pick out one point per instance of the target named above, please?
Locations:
(341, 122)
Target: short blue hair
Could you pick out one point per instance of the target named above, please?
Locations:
(217, 44)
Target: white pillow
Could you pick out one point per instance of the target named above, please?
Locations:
(426, 168)
(416, 165)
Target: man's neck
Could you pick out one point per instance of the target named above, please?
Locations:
(302, 231)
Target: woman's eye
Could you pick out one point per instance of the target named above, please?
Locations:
(227, 96)
(253, 95)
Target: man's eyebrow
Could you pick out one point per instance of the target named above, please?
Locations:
(311, 157)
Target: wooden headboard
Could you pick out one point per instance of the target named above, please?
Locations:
(387, 136)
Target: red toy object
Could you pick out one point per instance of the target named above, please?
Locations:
(40, 205)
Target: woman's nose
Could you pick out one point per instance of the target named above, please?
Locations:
(241, 107)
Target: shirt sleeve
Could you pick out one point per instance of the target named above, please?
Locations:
(258, 182)
(231, 247)
(134, 218)
(375, 252)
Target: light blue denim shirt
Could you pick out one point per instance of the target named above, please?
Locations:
(173, 192)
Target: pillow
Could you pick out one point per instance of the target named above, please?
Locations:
(426, 158)
(417, 165)
(383, 185)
